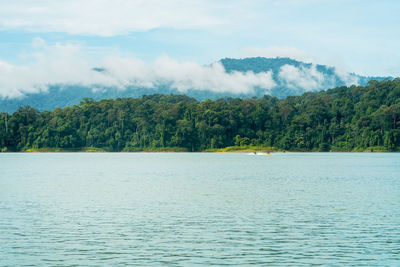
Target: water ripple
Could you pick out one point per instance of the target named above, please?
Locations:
(199, 209)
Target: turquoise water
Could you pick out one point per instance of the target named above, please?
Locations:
(105, 209)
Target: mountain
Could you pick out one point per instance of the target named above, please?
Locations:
(295, 77)
(290, 77)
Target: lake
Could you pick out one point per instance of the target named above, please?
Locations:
(183, 209)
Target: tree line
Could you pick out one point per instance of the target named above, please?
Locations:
(341, 119)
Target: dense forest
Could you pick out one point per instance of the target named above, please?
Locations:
(356, 118)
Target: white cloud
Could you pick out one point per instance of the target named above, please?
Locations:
(66, 64)
(278, 51)
(309, 79)
(59, 64)
(108, 18)
(188, 75)
(183, 75)
(346, 77)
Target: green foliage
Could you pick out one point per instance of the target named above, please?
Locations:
(360, 118)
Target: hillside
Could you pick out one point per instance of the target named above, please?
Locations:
(342, 119)
(290, 77)
(305, 77)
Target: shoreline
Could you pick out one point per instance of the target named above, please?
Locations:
(205, 151)
(230, 149)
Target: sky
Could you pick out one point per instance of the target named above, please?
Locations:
(360, 36)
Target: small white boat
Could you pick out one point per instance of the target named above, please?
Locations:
(258, 154)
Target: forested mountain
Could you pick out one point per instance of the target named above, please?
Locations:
(340, 119)
(295, 77)
(291, 77)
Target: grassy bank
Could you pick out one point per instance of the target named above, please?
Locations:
(84, 149)
(230, 149)
(244, 149)
(95, 149)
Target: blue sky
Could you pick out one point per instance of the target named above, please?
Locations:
(363, 35)
(359, 36)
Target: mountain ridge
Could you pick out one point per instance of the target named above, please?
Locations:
(291, 77)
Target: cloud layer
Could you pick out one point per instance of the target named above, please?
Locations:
(109, 18)
(65, 64)
(309, 79)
